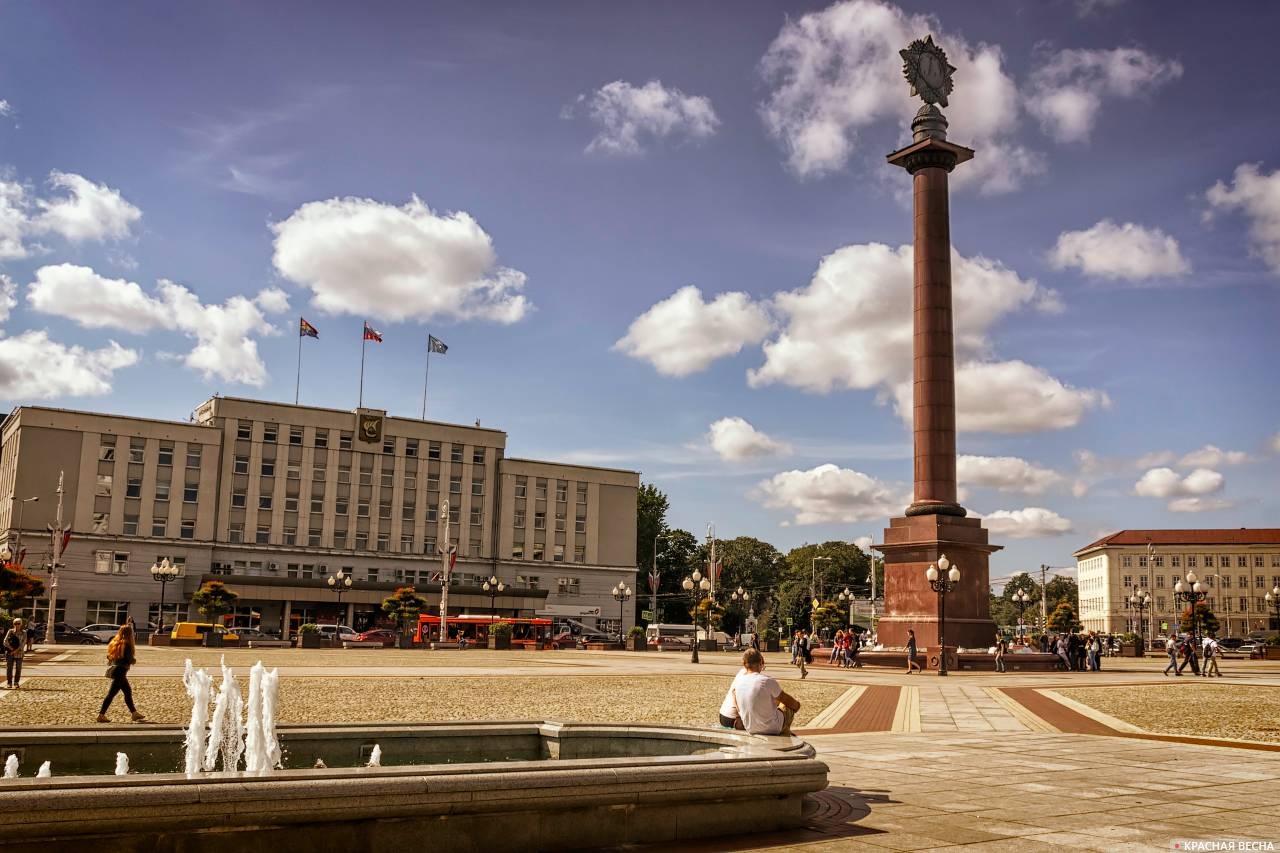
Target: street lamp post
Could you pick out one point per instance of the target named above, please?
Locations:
(339, 583)
(163, 573)
(1140, 601)
(493, 586)
(1273, 601)
(813, 588)
(942, 585)
(846, 601)
(695, 585)
(17, 539)
(621, 594)
(744, 596)
(1191, 593)
(1022, 599)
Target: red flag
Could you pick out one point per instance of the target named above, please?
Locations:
(66, 540)
(372, 334)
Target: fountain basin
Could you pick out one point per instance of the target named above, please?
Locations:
(482, 786)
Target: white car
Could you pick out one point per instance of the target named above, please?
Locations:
(102, 631)
(343, 632)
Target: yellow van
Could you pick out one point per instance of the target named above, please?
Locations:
(193, 633)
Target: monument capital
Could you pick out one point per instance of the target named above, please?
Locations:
(925, 66)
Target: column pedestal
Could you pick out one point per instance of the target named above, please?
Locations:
(910, 545)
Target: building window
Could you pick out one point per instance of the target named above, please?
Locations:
(540, 489)
(1275, 561)
(1259, 582)
(244, 430)
(314, 537)
(388, 446)
(568, 586)
(99, 522)
(560, 523)
(1242, 562)
(519, 518)
(1142, 581)
(1159, 562)
(366, 478)
(1160, 581)
(111, 562)
(187, 530)
(1160, 603)
(539, 521)
(268, 467)
(517, 551)
(340, 506)
(1224, 561)
(433, 450)
(1244, 581)
(562, 491)
(477, 456)
(133, 487)
(431, 512)
(406, 543)
(159, 526)
(1175, 561)
(1208, 581)
(384, 510)
(580, 526)
(429, 545)
(1191, 561)
(477, 515)
(582, 493)
(241, 465)
(528, 581)
(1244, 604)
(537, 551)
(193, 456)
(455, 453)
(104, 485)
(238, 499)
(1142, 562)
(322, 439)
(387, 480)
(1226, 581)
(384, 541)
(264, 501)
(362, 509)
(295, 436)
(1257, 561)
(521, 486)
(455, 485)
(270, 433)
(1126, 562)
(166, 454)
(292, 472)
(130, 525)
(475, 547)
(317, 506)
(477, 487)
(1128, 581)
(557, 555)
(106, 612)
(455, 514)
(580, 554)
(264, 536)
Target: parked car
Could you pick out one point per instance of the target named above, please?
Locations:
(1231, 644)
(341, 632)
(377, 635)
(1247, 648)
(189, 632)
(246, 634)
(64, 633)
(102, 631)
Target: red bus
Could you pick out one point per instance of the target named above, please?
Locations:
(524, 632)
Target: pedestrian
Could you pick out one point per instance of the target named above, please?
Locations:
(1171, 649)
(755, 640)
(1095, 652)
(1212, 651)
(1001, 647)
(1187, 648)
(1063, 650)
(912, 666)
(31, 638)
(806, 655)
(14, 648)
(837, 644)
(121, 654)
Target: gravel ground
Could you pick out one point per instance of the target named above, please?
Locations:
(1221, 710)
(692, 700)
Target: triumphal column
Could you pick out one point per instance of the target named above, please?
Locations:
(935, 523)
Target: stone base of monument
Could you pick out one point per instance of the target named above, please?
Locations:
(964, 661)
(459, 787)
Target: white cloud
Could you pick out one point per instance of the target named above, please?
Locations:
(629, 116)
(8, 297)
(369, 259)
(6, 108)
(1068, 88)
(683, 334)
(734, 440)
(829, 493)
(1033, 522)
(1167, 483)
(226, 345)
(1274, 443)
(850, 327)
(34, 367)
(836, 73)
(1258, 196)
(88, 211)
(1125, 251)
(1199, 504)
(1006, 473)
(1156, 459)
(864, 543)
(1211, 456)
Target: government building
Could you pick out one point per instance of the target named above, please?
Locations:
(274, 499)
(1237, 568)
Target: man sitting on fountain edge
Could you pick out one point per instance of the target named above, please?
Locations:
(763, 706)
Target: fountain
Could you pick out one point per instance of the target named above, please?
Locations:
(45, 771)
(122, 764)
(375, 757)
(11, 767)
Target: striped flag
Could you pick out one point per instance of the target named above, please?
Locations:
(372, 334)
(306, 330)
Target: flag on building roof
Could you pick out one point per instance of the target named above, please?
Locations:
(434, 344)
(306, 330)
(372, 334)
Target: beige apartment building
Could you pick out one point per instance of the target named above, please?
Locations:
(274, 499)
(1237, 568)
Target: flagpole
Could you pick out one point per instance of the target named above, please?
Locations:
(425, 376)
(297, 384)
(364, 342)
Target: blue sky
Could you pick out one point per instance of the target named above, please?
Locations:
(662, 236)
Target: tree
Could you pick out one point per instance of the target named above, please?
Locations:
(17, 585)
(1060, 589)
(677, 557)
(651, 522)
(403, 605)
(1206, 621)
(1063, 619)
(1004, 610)
(214, 600)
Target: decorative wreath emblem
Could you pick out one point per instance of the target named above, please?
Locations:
(926, 68)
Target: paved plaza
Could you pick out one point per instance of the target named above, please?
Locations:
(983, 760)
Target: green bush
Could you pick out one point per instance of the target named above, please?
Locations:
(771, 633)
(636, 631)
(500, 629)
(308, 628)
(1273, 641)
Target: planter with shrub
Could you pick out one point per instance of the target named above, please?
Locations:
(309, 636)
(636, 641)
(500, 635)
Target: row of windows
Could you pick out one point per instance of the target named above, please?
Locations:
(540, 489)
(537, 552)
(1229, 604)
(117, 562)
(137, 452)
(386, 480)
(1259, 581)
(1242, 561)
(133, 489)
(540, 521)
(320, 439)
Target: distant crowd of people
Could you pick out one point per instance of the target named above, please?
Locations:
(1183, 654)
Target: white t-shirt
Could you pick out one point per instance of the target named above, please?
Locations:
(727, 708)
(757, 698)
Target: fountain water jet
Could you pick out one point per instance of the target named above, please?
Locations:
(45, 771)
(375, 757)
(122, 764)
(11, 767)
(200, 688)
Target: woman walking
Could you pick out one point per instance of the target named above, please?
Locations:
(1000, 649)
(120, 656)
(911, 651)
(14, 643)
